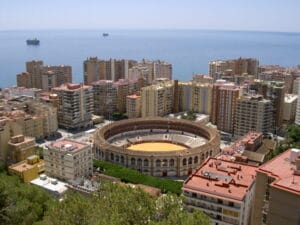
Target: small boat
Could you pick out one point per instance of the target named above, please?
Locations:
(105, 34)
(33, 41)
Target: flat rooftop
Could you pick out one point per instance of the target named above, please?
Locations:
(50, 184)
(282, 169)
(22, 166)
(68, 145)
(222, 179)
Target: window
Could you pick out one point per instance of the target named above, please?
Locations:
(184, 162)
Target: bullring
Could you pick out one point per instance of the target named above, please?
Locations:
(156, 146)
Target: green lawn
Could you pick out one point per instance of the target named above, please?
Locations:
(136, 177)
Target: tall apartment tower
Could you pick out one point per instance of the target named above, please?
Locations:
(35, 68)
(133, 106)
(275, 92)
(297, 118)
(195, 96)
(233, 67)
(226, 114)
(75, 106)
(277, 191)
(224, 101)
(201, 97)
(113, 69)
(105, 97)
(44, 77)
(252, 114)
(157, 100)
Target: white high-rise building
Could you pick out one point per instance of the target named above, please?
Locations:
(297, 118)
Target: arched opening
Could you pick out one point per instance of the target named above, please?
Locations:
(190, 161)
(146, 162)
(158, 163)
(184, 162)
(139, 162)
(133, 161)
(171, 162)
(112, 157)
(165, 162)
(196, 159)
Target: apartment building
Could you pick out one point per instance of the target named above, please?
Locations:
(220, 69)
(105, 97)
(223, 190)
(68, 159)
(253, 114)
(133, 106)
(140, 72)
(28, 169)
(44, 77)
(224, 101)
(29, 118)
(273, 91)
(277, 191)
(20, 148)
(157, 100)
(113, 69)
(296, 86)
(75, 106)
(289, 107)
(194, 96)
(297, 116)
(202, 78)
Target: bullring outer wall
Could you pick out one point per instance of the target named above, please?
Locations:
(157, 163)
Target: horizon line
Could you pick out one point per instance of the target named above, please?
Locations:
(149, 29)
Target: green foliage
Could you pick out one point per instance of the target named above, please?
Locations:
(136, 177)
(116, 204)
(292, 140)
(119, 116)
(112, 204)
(41, 152)
(21, 203)
(189, 116)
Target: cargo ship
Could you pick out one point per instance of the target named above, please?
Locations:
(33, 41)
(105, 34)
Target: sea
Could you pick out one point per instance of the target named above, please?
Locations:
(189, 51)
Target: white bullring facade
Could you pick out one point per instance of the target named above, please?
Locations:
(184, 145)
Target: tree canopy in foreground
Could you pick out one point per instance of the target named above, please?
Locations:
(112, 204)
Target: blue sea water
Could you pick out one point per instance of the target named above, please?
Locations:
(188, 50)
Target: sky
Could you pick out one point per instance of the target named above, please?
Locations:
(260, 15)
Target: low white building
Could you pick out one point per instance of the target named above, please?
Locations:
(68, 159)
(51, 185)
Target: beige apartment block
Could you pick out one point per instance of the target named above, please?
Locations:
(25, 117)
(133, 106)
(195, 96)
(44, 77)
(68, 159)
(21, 147)
(76, 105)
(277, 191)
(157, 100)
(113, 69)
(253, 114)
(242, 66)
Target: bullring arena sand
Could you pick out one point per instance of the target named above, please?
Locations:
(156, 146)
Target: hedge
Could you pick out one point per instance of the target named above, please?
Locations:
(136, 177)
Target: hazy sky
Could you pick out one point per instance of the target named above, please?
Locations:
(266, 15)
